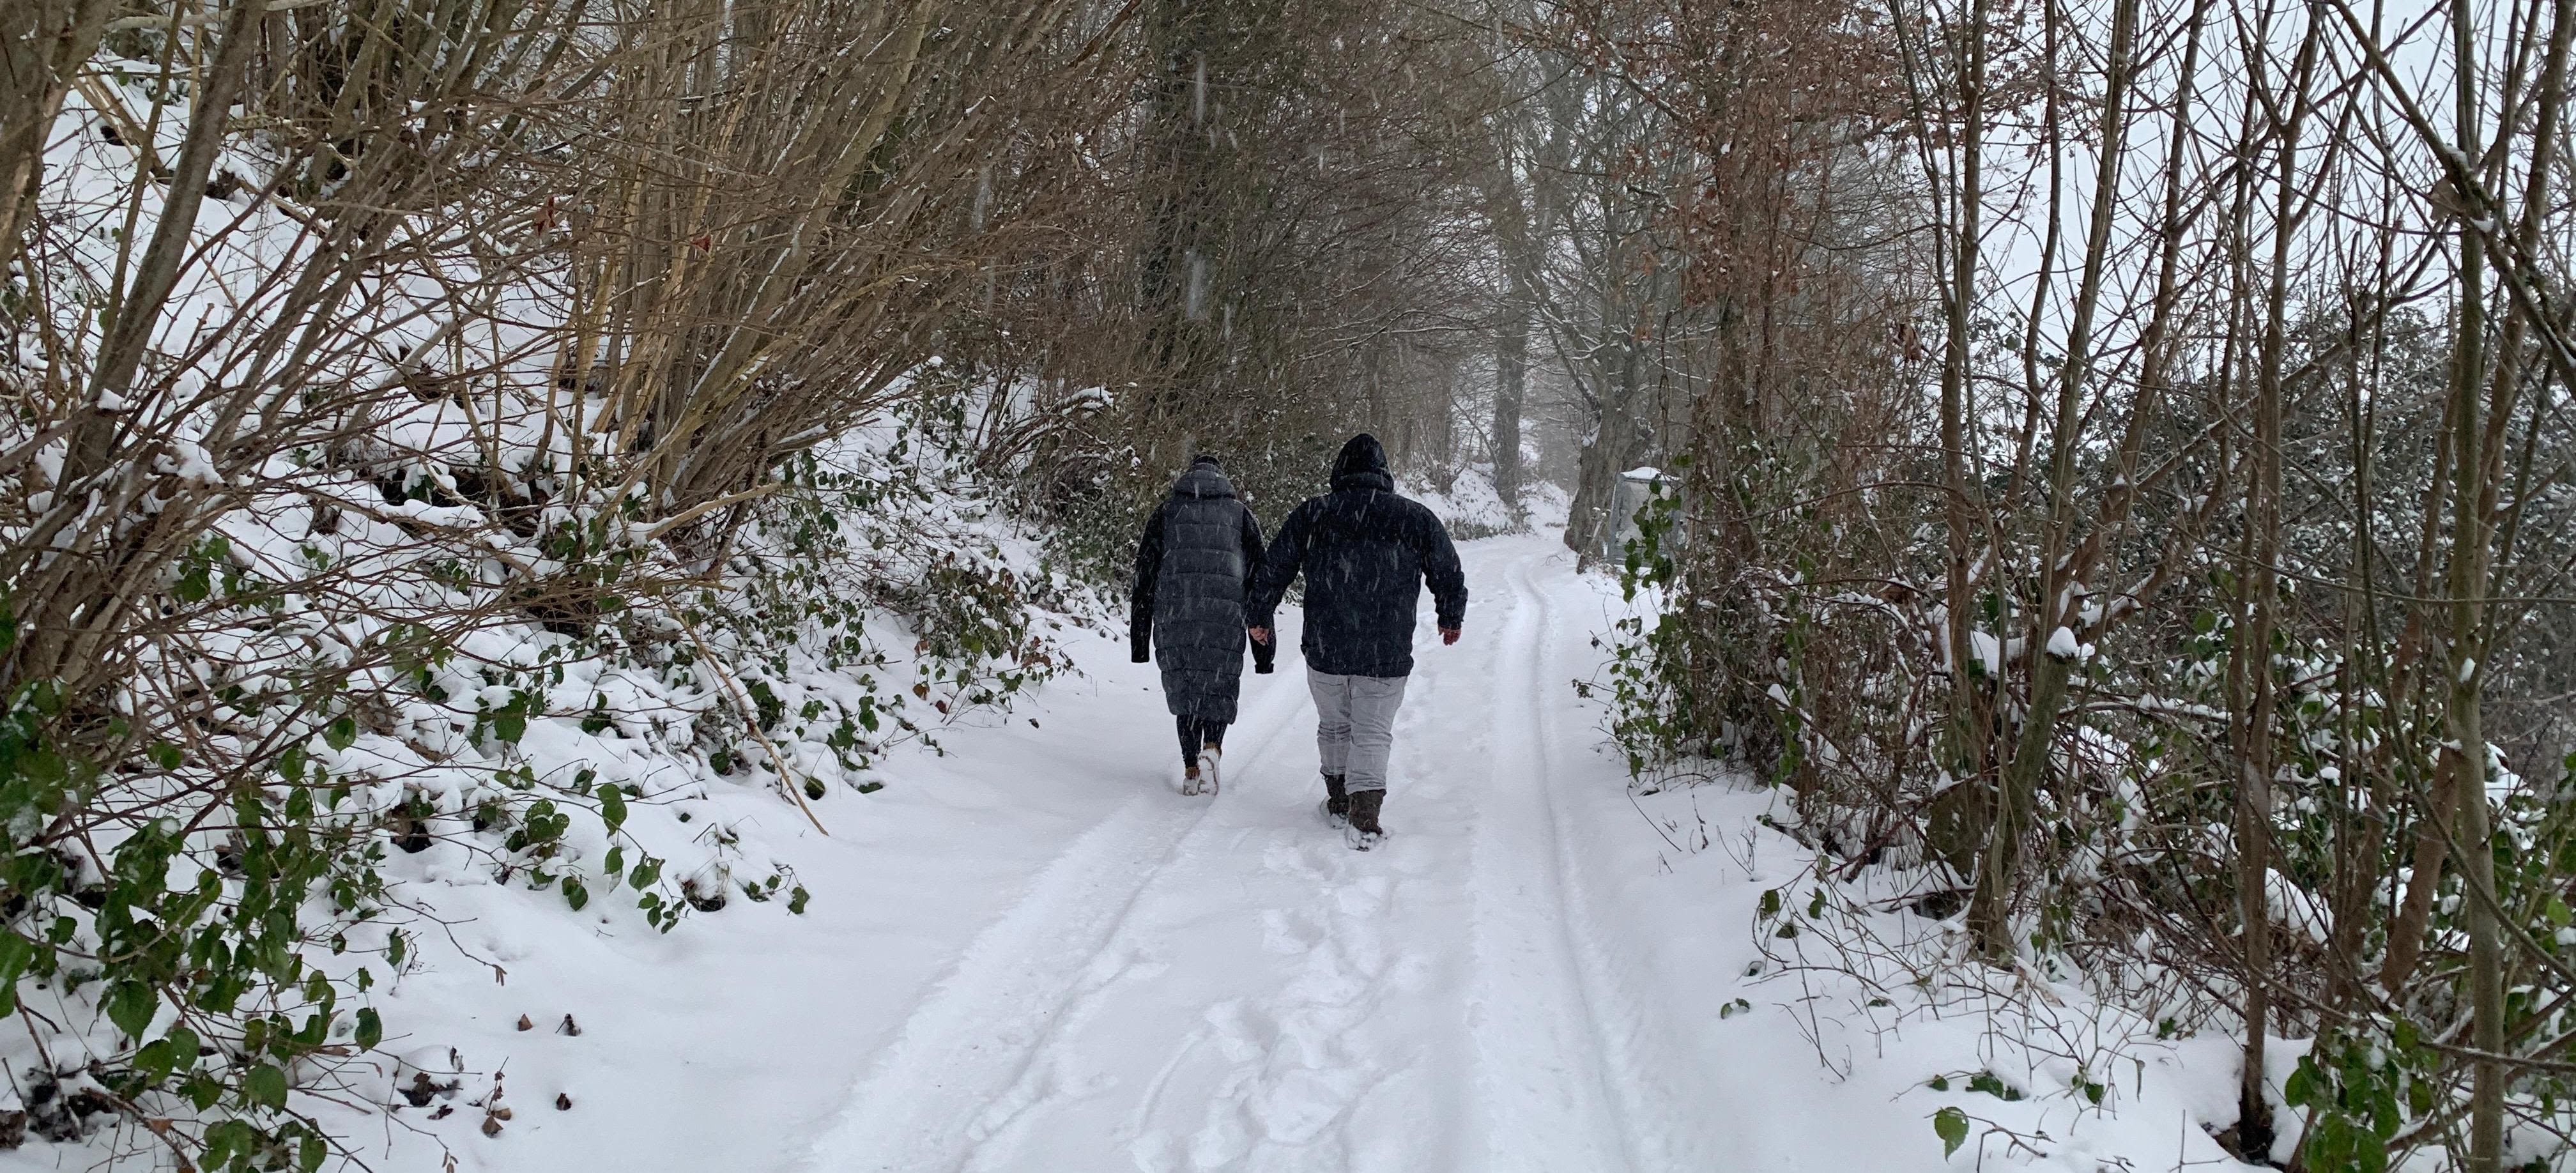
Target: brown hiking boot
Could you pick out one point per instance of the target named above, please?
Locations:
(1337, 802)
(1364, 832)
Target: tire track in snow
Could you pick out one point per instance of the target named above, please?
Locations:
(1543, 1078)
(1566, 1042)
(1625, 1010)
(973, 1046)
(1007, 1059)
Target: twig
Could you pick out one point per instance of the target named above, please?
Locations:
(734, 690)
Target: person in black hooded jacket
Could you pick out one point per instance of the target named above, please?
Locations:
(1366, 554)
(1198, 558)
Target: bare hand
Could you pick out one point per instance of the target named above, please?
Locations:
(1448, 635)
(1260, 635)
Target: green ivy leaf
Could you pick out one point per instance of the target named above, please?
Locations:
(130, 1005)
(154, 1060)
(16, 955)
(371, 1028)
(645, 873)
(1951, 1125)
(339, 734)
(265, 1087)
(612, 807)
(511, 723)
(574, 894)
(2301, 1090)
(222, 1140)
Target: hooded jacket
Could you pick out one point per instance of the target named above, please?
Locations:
(1366, 554)
(1199, 555)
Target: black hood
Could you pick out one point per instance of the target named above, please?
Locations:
(1203, 480)
(1362, 465)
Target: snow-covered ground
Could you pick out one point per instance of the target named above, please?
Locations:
(1033, 954)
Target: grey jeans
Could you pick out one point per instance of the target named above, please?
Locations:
(1355, 725)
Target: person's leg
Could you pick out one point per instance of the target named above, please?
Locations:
(1190, 738)
(1332, 720)
(1212, 758)
(1373, 703)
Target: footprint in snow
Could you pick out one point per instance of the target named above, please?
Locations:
(1288, 934)
(1363, 897)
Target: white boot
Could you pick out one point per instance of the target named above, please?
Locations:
(1192, 781)
(1210, 759)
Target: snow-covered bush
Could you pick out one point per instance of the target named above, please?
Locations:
(1790, 618)
(366, 517)
(201, 855)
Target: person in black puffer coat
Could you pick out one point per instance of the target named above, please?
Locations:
(1366, 554)
(1200, 554)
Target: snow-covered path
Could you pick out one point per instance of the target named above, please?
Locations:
(1196, 985)
(1032, 954)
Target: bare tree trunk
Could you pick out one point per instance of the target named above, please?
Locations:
(2466, 580)
(2254, 726)
(2362, 805)
(93, 590)
(2050, 662)
(1184, 221)
(137, 309)
(1969, 734)
(1511, 391)
(1508, 203)
(2432, 826)
(43, 44)
(1592, 519)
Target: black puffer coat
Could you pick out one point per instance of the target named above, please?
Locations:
(1366, 553)
(1200, 554)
